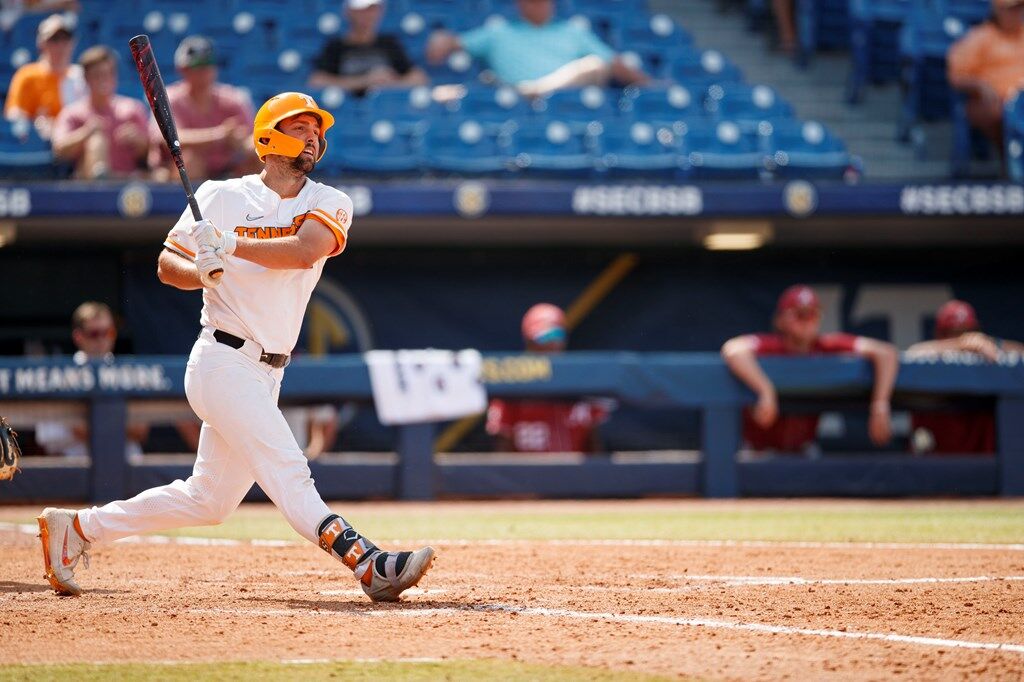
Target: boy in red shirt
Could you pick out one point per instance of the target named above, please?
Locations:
(797, 332)
(545, 425)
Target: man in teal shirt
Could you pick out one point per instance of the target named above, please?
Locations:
(538, 54)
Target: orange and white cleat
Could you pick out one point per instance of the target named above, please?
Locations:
(387, 574)
(62, 548)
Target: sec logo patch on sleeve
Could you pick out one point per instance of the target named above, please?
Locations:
(342, 216)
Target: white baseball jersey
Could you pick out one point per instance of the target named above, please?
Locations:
(252, 301)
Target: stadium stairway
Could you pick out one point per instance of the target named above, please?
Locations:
(817, 93)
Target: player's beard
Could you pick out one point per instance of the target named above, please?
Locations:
(303, 164)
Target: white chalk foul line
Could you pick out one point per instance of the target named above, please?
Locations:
(745, 580)
(712, 624)
(28, 528)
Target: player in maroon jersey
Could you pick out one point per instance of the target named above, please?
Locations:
(546, 425)
(956, 432)
(798, 332)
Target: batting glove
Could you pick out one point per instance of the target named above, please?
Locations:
(206, 234)
(207, 260)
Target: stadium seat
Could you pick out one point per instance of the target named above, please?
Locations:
(645, 32)
(746, 105)
(970, 12)
(924, 41)
(464, 148)
(806, 150)
(578, 107)
(458, 68)
(411, 109)
(1013, 134)
(721, 151)
(378, 149)
(494, 108)
(662, 107)
(551, 149)
(699, 70)
(874, 42)
(23, 154)
(638, 149)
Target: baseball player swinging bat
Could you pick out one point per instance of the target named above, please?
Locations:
(156, 93)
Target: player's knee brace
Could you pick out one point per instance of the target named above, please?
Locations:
(344, 543)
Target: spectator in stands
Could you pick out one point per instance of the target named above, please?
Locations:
(94, 333)
(539, 54)
(104, 134)
(214, 120)
(546, 425)
(40, 89)
(797, 332)
(785, 25)
(362, 59)
(961, 431)
(987, 65)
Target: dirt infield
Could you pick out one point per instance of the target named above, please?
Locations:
(712, 610)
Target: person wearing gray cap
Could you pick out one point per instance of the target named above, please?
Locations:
(40, 89)
(363, 59)
(214, 119)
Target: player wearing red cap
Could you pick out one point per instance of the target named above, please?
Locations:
(798, 332)
(957, 330)
(546, 425)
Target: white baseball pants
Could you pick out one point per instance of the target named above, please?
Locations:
(244, 439)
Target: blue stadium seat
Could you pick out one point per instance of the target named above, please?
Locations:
(1013, 134)
(806, 150)
(551, 149)
(458, 68)
(348, 111)
(378, 149)
(465, 148)
(578, 107)
(662, 107)
(970, 12)
(746, 105)
(412, 109)
(22, 34)
(23, 154)
(698, 70)
(494, 108)
(645, 32)
(638, 149)
(721, 151)
(874, 42)
(654, 61)
(924, 41)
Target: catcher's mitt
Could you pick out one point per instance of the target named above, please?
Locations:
(10, 451)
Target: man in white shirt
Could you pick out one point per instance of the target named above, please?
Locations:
(257, 257)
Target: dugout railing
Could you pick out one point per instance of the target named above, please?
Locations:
(687, 381)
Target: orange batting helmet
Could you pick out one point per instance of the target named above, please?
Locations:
(269, 140)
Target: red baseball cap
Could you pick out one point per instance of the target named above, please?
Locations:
(955, 315)
(797, 296)
(544, 323)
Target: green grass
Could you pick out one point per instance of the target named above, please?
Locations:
(338, 670)
(931, 521)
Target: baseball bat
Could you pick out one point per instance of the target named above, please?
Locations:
(156, 93)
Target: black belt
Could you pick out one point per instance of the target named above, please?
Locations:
(276, 360)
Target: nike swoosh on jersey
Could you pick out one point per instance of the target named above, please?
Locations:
(251, 218)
